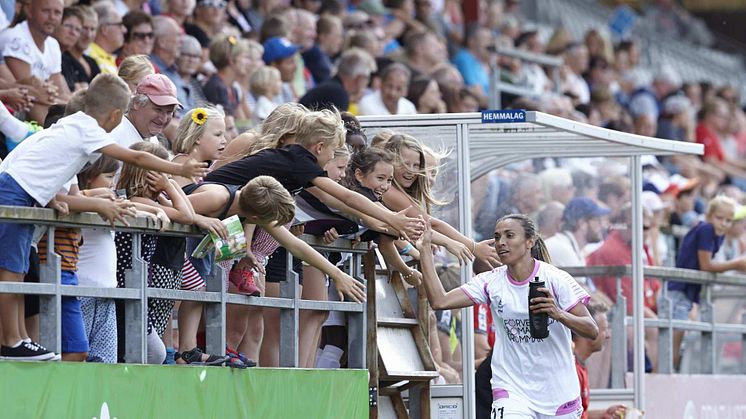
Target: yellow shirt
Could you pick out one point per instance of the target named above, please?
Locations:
(106, 62)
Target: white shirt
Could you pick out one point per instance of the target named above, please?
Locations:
(565, 251)
(125, 134)
(372, 104)
(540, 373)
(17, 43)
(264, 106)
(97, 264)
(45, 161)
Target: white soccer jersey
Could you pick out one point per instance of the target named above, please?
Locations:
(539, 372)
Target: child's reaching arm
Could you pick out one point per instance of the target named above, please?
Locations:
(177, 199)
(708, 265)
(393, 259)
(191, 169)
(397, 200)
(403, 225)
(109, 210)
(345, 284)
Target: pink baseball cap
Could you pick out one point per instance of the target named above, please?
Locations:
(159, 89)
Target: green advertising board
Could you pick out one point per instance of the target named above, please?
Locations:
(101, 391)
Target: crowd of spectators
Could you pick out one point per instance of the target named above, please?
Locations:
(400, 57)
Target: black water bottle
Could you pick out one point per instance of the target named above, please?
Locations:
(538, 322)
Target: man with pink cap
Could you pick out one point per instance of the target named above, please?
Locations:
(151, 110)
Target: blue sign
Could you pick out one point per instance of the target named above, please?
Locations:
(499, 116)
(622, 22)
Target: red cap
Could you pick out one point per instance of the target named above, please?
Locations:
(159, 89)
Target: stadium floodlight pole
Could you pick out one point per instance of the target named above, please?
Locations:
(638, 285)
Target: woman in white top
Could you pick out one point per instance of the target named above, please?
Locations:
(531, 378)
(390, 98)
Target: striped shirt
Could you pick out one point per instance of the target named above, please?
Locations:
(67, 243)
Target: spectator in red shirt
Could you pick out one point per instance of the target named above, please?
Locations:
(616, 250)
(713, 122)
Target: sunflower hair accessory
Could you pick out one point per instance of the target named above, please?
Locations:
(232, 40)
(199, 116)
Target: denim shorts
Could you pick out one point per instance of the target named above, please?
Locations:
(15, 239)
(74, 338)
(681, 305)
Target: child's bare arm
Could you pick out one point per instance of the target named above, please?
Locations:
(109, 210)
(191, 168)
(345, 284)
(395, 262)
(708, 265)
(404, 225)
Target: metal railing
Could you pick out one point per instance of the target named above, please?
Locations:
(136, 292)
(706, 326)
(497, 86)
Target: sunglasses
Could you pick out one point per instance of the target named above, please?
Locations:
(141, 36)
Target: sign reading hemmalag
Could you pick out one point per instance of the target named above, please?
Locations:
(502, 116)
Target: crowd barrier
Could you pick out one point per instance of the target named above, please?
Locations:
(136, 292)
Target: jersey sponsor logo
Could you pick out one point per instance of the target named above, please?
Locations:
(519, 330)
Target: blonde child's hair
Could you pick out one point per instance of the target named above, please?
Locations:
(263, 80)
(419, 192)
(134, 68)
(266, 198)
(133, 178)
(281, 123)
(720, 202)
(438, 156)
(106, 93)
(342, 152)
(381, 138)
(225, 48)
(323, 126)
(189, 132)
(254, 48)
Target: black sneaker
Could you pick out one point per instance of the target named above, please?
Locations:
(194, 357)
(57, 357)
(27, 351)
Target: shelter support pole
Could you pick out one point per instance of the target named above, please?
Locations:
(665, 334)
(638, 287)
(467, 317)
(618, 338)
(289, 318)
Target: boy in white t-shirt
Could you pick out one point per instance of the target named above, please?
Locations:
(39, 167)
(531, 378)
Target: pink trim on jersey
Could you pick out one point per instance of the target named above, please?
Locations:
(524, 282)
(473, 300)
(583, 300)
(500, 393)
(568, 407)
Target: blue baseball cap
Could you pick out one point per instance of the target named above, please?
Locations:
(583, 207)
(277, 48)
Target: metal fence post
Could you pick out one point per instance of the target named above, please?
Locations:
(356, 323)
(289, 318)
(618, 341)
(215, 313)
(743, 346)
(136, 311)
(665, 334)
(50, 306)
(708, 337)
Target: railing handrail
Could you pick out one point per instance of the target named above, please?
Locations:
(521, 54)
(49, 217)
(679, 274)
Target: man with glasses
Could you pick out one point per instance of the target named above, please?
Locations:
(151, 110)
(139, 37)
(34, 56)
(109, 38)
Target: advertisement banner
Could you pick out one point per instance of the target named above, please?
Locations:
(695, 396)
(105, 391)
